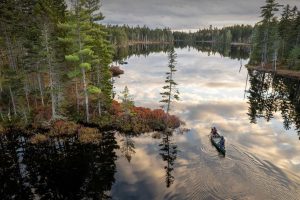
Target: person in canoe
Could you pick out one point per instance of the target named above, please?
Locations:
(214, 132)
(222, 142)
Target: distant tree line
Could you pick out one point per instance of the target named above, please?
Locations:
(277, 41)
(124, 35)
(231, 34)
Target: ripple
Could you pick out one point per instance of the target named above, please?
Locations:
(266, 178)
(239, 175)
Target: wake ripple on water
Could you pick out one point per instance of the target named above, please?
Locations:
(238, 175)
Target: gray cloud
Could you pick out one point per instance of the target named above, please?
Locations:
(183, 14)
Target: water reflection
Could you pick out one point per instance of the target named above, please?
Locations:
(262, 159)
(125, 52)
(168, 152)
(225, 50)
(127, 146)
(270, 93)
(61, 168)
(231, 51)
(260, 156)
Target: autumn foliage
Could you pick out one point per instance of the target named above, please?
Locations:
(116, 71)
(41, 114)
(89, 135)
(132, 119)
(142, 119)
(38, 139)
(62, 128)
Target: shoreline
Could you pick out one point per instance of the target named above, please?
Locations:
(232, 43)
(281, 70)
(131, 43)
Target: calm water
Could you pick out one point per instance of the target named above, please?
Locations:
(260, 126)
(262, 160)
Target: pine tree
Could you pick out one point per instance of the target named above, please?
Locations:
(103, 51)
(127, 101)
(170, 91)
(268, 15)
(284, 29)
(48, 14)
(80, 42)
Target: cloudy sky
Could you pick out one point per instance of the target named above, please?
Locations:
(184, 14)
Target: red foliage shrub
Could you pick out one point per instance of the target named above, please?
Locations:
(143, 119)
(116, 108)
(116, 71)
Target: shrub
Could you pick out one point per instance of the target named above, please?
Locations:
(104, 121)
(61, 127)
(41, 114)
(116, 71)
(2, 130)
(38, 139)
(142, 119)
(89, 135)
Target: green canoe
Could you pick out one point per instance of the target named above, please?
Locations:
(216, 142)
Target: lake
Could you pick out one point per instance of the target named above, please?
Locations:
(262, 159)
(258, 113)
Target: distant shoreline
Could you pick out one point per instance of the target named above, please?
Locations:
(131, 43)
(232, 43)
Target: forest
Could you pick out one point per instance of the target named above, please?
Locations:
(55, 58)
(67, 130)
(55, 70)
(125, 35)
(276, 40)
(240, 34)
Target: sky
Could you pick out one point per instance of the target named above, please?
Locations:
(184, 14)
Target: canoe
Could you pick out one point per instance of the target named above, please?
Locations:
(215, 141)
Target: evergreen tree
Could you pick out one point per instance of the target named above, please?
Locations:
(170, 91)
(79, 31)
(48, 14)
(268, 15)
(285, 28)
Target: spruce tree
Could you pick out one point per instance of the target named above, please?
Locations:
(170, 91)
(268, 15)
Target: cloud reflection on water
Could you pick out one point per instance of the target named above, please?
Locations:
(212, 92)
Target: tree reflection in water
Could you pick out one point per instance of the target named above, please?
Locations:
(225, 50)
(127, 146)
(270, 93)
(61, 168)
(168, 152)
